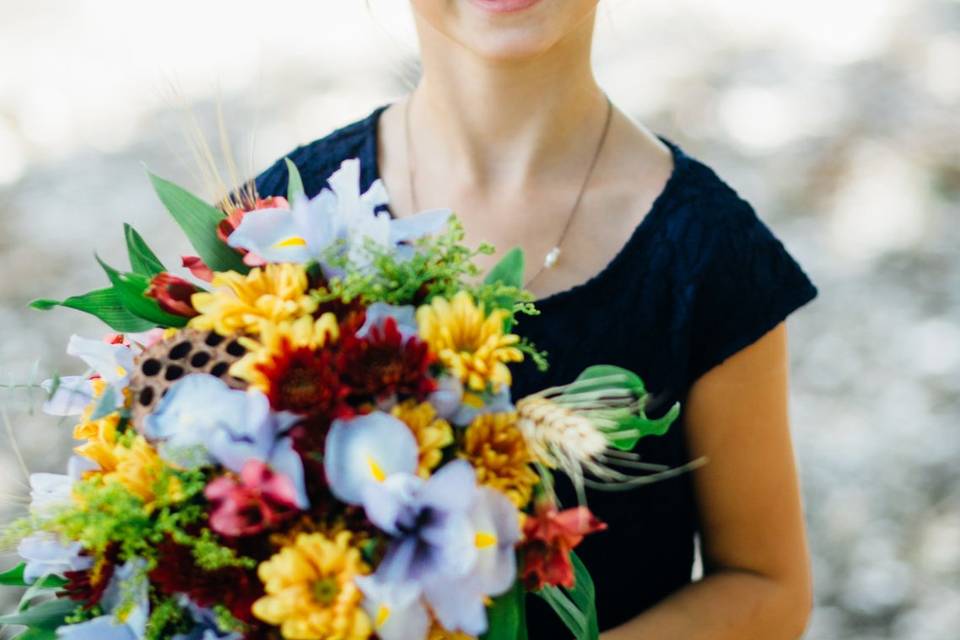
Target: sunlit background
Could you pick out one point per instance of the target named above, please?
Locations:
(837, 119)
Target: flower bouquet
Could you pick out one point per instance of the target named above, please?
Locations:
(313, 437)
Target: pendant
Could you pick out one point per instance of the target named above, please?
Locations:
(551, 258)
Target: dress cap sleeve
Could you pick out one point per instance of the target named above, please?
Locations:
(750, 284)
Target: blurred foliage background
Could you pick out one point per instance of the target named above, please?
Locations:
(837, 120)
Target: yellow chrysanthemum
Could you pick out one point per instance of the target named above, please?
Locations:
(497, 450)
(276, 340)
(311, 592)
(468, 341)
(139, 469)
(433, 433)
(241, 303)
(101, 440)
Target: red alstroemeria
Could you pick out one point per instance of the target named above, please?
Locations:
(549, 537)
(383, 363)
(173, 294)
(197, 267)
(229, 224)
(255, 501)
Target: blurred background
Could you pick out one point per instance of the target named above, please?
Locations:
(838, 120)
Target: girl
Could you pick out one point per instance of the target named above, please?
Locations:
(641, 256)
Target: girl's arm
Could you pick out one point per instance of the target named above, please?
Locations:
(757, 580)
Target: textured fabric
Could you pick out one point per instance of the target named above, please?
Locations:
(700, 277)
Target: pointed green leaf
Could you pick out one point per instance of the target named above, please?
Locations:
(44, 583)
(644, 426)
(294, 183)
(46, 615)
(102, 303)
(36, 633)
(199, 222)
(584, 596)
(142, 259)
(507, 617)
(575, 607)
(509, 270)
(131, 289)
(13, 577)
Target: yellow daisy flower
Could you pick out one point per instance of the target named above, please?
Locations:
(241, 303)
(310, 590)
(276, 341)
(138, 469)
(496, 448)
(101, 440)
(468, 341)
(433, 433)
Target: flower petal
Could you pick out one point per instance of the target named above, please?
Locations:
(396, 610)
(367, 449)
(70, 394)
(418, 225)
(271, 234)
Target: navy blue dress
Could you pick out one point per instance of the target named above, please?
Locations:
(699, 278)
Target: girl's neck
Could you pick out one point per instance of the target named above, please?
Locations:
(505, 120)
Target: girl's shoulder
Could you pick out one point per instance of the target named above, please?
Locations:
(317, 160)
(735, 273)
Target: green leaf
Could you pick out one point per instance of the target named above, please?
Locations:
(576, 607)
(631, 424)
(509, 270)
(131, 291)
(13, 577)
(644, 426)
(584, 596)
(506, 617)
(44, 583)
(294, 183)
(46, 615)
(102, 303)
(142, 259)
(608, 376)
(199, 222)
(36, 633)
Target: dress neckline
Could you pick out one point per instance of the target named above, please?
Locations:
(643, 229)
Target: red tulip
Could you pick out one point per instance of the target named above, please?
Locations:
(173, 294)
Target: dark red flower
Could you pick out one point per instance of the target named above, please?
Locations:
(173, 294)
(383, 363)
(257, 500)
(305, 381)
(88, 585)
(177, 572)
(549, 537)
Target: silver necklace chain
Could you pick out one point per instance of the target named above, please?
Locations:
(554, 254)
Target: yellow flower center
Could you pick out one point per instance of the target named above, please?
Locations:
(325, 590)
(383, 614)
(484, 539)
(376, 470)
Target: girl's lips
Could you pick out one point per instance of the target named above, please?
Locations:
(504, 6)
